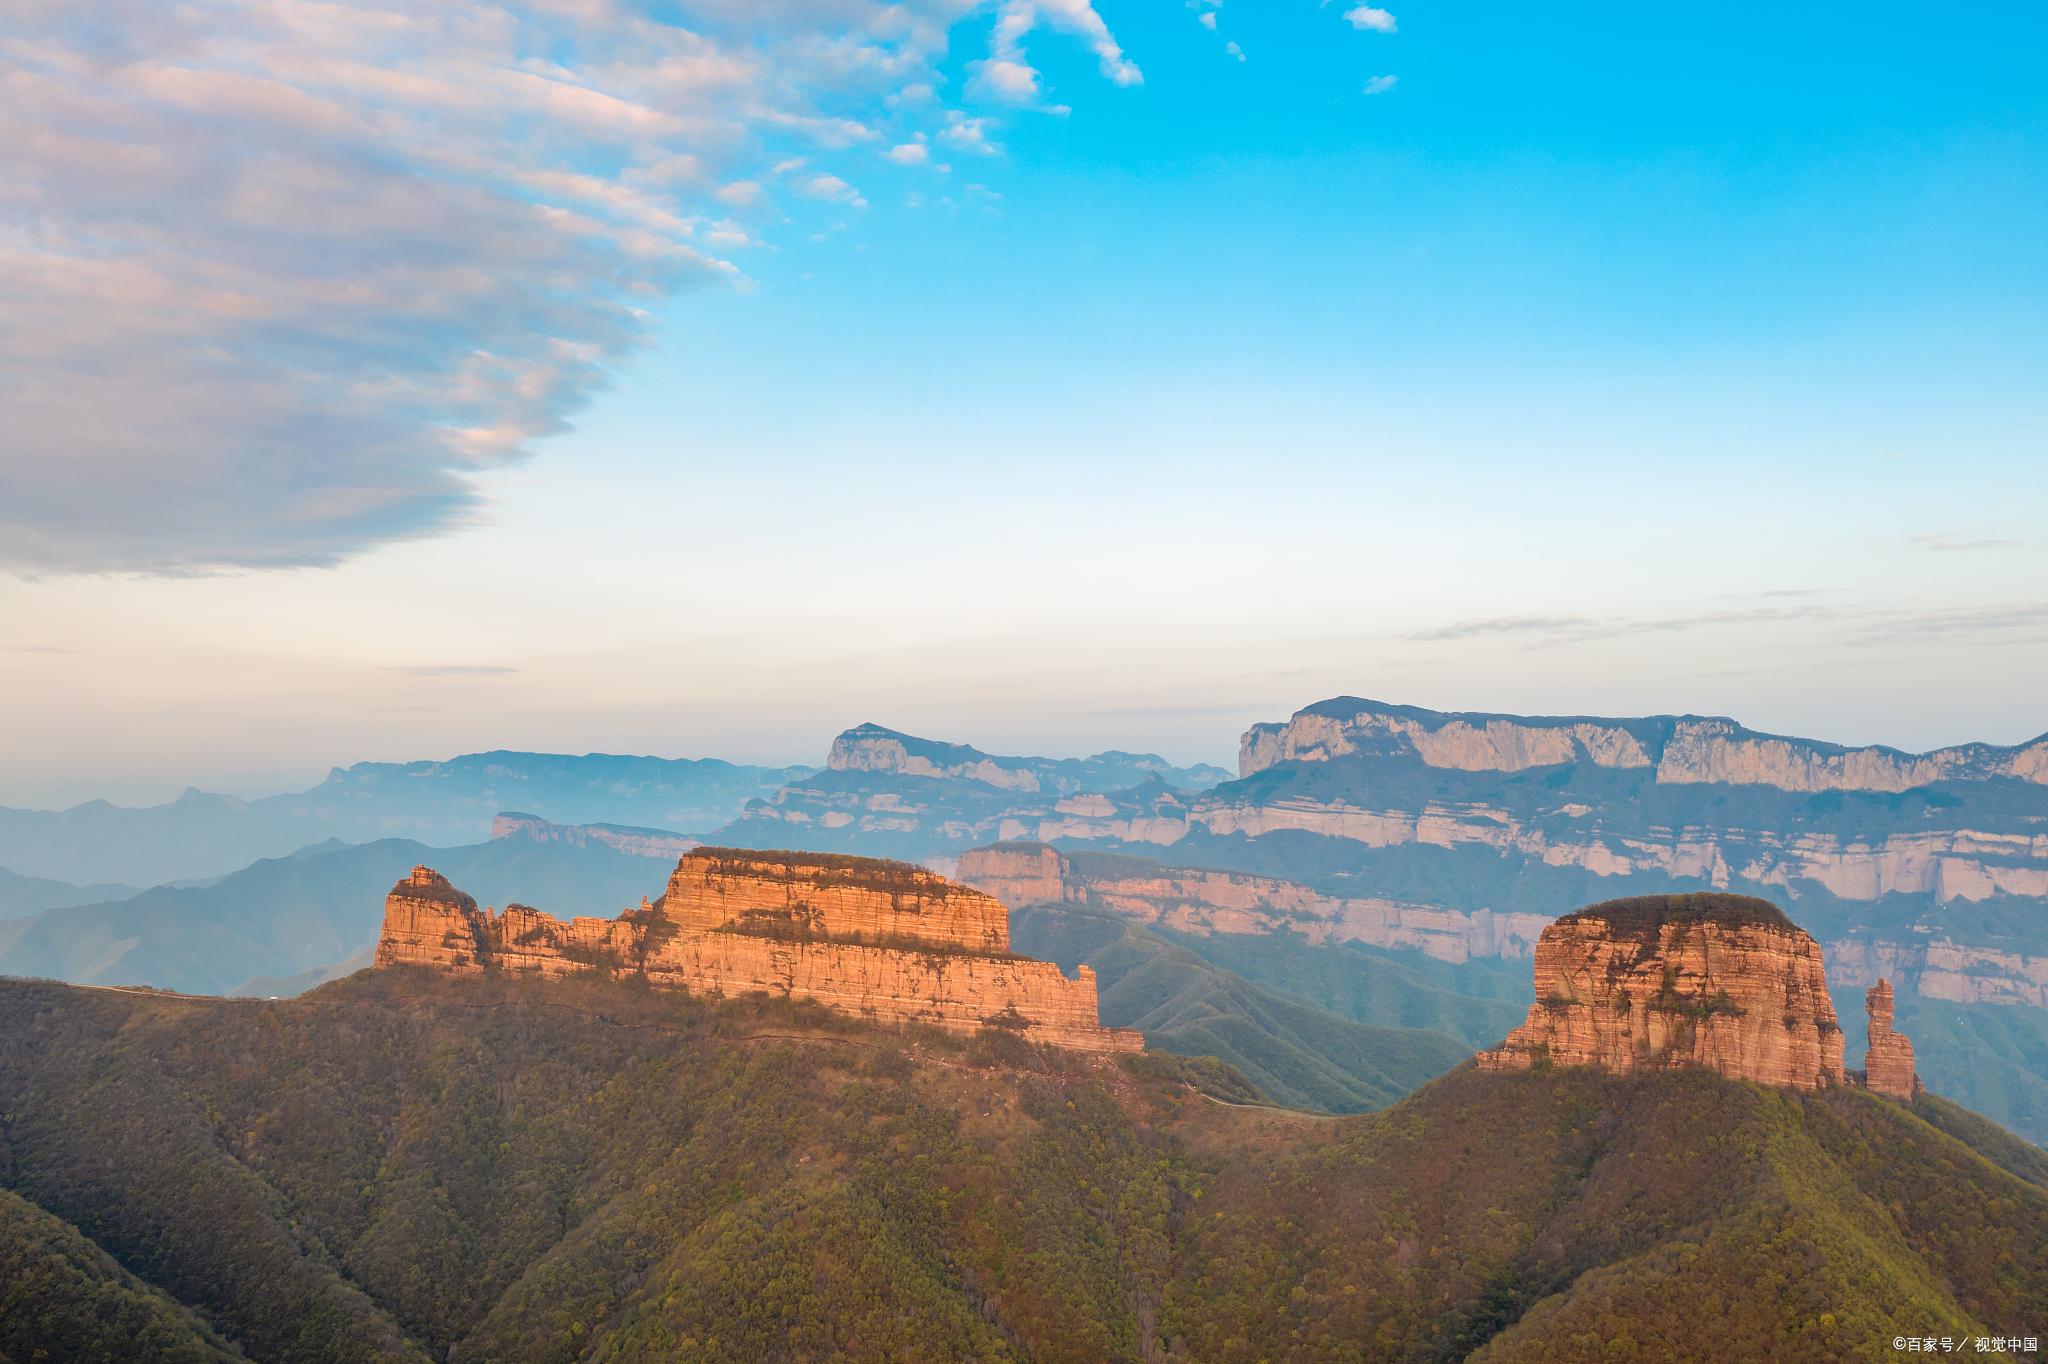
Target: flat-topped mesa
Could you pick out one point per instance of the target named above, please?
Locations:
(820, 895)
(1724, 982)
(1888, 1069)
(882, 940)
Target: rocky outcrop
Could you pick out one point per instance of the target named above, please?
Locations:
(429, 922)
(872, 748)
(1020, 874)
(1194, 900)
(881, 940)
(1681, 749)
(1888, 1068)
(1479, 743)
(1725, 982)
(1460, 832)
(619, 837)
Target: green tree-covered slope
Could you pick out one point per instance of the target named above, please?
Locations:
(1297, 1052)
(396, 1167)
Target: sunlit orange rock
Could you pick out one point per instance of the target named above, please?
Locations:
(1888, 1069)
(883, 940)
(1725, 982)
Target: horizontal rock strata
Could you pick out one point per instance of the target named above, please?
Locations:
(1723, 982)
(1681, 749)
(1888, 1068)
(881, 940)
(1200, 901)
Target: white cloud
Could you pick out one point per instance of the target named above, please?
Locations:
(968, 134)
(282, 276)
(1234, 50)
(1078, 17)
(1006, 79)
(1208, 21)
(1380, 85)
(1365, 17)
(742, 194)
(832, 189)
(1007, 75)
(909, 154)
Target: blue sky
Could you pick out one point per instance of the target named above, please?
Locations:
(1626, 359)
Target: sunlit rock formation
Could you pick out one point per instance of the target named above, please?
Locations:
(1414, 827)
(1888, 1069)
(881, 940)
(1725, 982)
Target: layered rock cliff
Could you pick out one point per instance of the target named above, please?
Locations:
(1680, 748)
(1656, 982)
(877, 939)
(1403, 813)
(1195, 900)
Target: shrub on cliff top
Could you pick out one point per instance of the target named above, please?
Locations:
(1645, 915)
(828, 869)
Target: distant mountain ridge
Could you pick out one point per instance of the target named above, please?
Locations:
(661, 843)
(1680, 748)
(871, 748)
(1356, 818)
(24, 895)
(440, 803)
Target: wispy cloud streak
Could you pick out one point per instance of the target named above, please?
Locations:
(279, 278)
(1862, 626)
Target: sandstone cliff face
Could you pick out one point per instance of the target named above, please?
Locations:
(1888, 1068)
(1489, 816)
(1723, 982)
(1938, 968)
(1019, 874)
(815, 895)
(877, 939)
(1492, 744)
(427, 920)
(1194, 900)
(1682, 749)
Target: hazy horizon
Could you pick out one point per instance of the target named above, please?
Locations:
(702, 380)
(139, 790)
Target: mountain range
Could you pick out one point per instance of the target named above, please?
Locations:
(1357, 832)
(1460, 835)
(201, 835)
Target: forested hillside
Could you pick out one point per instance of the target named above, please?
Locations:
(397, 1167)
